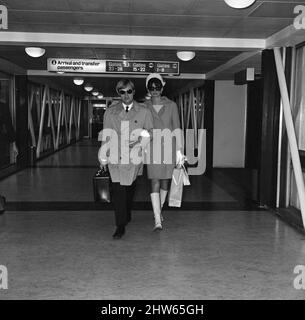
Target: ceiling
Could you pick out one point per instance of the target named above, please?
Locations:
(159, 18)
(190, 18)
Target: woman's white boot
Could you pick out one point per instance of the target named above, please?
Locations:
(163, 194)
(156, 204)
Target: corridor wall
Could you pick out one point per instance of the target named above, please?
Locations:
(229, 125)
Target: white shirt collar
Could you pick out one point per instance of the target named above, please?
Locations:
(129, 106)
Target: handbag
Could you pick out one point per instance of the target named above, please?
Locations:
(102, 186)
(185, 176)
(179, 179)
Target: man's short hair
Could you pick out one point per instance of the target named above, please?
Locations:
(123, 83)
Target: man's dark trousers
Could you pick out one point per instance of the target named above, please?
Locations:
(122, 200)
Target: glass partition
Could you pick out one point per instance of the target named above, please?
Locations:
(299, 98)
(7, 121)
(298, 110)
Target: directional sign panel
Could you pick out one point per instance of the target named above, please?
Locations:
(128, 66)
(76, 65)
(111, 66)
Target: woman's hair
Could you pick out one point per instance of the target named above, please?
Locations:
(123, 83)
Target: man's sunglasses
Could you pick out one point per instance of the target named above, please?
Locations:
(155, 88)
(129, 91)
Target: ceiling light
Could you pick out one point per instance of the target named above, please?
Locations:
(95, 93)
(100, 96)
(88, 87)
(239, 4)
(78, 81)
(185, 55)
(60, 72)
(35, 52)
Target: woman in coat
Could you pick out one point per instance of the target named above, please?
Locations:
(162, 157)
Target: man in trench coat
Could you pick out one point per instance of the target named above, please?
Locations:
(127, 129)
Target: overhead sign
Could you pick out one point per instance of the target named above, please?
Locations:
(76, 65)
(130, 66)
(112, 66)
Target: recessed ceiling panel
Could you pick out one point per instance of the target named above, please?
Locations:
(276, 9)
(78, 53)
(176, 7)
(115, 6)
(54, 5)
(249, 27)
(112, 53)
(104, 19)
(203, 32)
(258, 33)
(209, 22)
(218, 8)
(45, 28)
(149, 20)
(154, 31)
(102, 29)
(38, 17)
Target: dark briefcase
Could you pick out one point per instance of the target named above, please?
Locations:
(2, 204)
(102, 186)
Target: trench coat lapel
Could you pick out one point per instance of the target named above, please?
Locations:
(121, 111)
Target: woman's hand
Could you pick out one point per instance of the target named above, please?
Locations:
(145, 133)
(180, 158)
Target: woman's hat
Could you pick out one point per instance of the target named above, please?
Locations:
(155, 75)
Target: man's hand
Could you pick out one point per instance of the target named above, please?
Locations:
(145, 139)
(103, 164)
(104, 167)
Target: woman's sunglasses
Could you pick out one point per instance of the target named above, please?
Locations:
(155, 88)
(129, 91)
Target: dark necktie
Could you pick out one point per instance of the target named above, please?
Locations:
(127, 107)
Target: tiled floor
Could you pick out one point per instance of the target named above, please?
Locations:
(202, 254)
(198, 255)
(67, 176)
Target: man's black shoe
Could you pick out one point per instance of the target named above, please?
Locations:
(119, 232)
